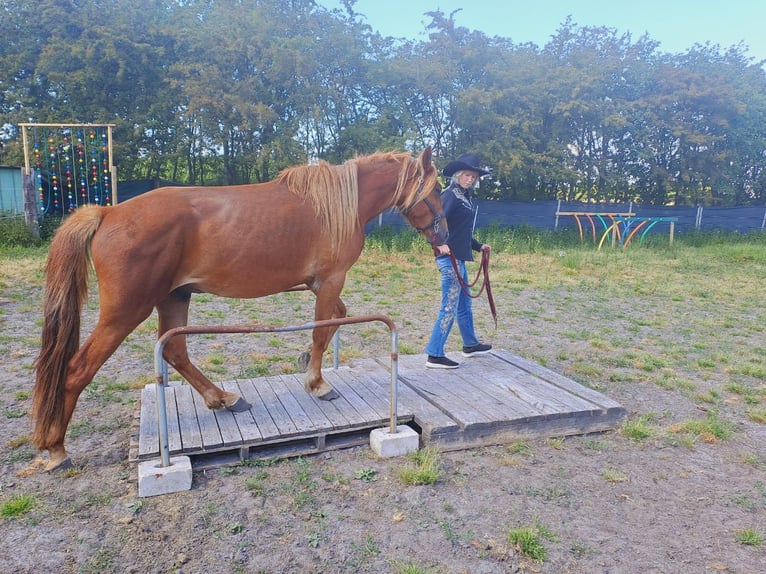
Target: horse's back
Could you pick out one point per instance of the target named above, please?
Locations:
(232, 241)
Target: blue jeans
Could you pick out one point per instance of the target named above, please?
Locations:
(455, 304)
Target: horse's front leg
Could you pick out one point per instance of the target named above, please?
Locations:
(327, 307)
(305, 356)
(173, 312)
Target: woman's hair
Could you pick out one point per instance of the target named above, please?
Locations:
(456, 175)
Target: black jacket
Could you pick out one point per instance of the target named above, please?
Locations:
(460, 212)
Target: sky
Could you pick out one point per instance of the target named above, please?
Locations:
(676, 24)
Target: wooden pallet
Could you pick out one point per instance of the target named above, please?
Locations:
(493, 399)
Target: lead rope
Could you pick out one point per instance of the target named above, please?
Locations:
(466, 287)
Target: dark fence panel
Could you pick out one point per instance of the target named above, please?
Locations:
(542, 215)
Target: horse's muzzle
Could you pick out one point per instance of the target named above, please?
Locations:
(440, 235)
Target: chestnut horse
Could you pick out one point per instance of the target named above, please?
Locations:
(304, 228)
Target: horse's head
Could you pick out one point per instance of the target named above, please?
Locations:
(424, 210)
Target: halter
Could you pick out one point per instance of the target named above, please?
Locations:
(437, 217)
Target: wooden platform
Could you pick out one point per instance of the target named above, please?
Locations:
(493, 399)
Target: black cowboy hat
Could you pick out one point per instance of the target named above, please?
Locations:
(469, 161)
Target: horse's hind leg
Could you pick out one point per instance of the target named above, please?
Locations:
(98, 347)
(173, 312)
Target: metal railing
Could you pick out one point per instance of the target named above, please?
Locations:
(161, 366)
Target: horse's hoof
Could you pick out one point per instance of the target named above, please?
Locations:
(59, 466)
(240, 406)
(303, 361)
(329, 395)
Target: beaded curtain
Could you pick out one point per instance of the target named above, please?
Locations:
(71, 167)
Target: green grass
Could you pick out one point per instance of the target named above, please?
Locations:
(528, 541)
(423, 467)
(17, 506)
(749, 537)
(638, 429)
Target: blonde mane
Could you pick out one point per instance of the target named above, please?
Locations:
(334, 192)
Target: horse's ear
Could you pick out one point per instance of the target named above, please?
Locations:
(425, 157)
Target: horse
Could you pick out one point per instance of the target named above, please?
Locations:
(303, 229)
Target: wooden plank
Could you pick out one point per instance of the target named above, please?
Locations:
(481, 409)
(148, 437)
(278, 413)
(248, 429)
(227, 425)
(522, 394)
(559, 380)
(429, 417)
(258, 409)
(302, 422)
(208, 425)
(345, 403)
(174, 431)
(444, 390)
(307, 403)
(191, 439)
(366, 414)
(371, 393)
(337, 412)
(544, 397)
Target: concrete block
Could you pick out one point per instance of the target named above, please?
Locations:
(154, 479)
(386, 444)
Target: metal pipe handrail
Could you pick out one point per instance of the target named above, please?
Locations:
(161, 366)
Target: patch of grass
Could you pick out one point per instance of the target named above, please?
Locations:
(303, 487)
(18, 441)
(638, 429)
(520, 447)
(411, 568)
(256, 484)
(555, 442)
(100, 562)
(558, 491)
(366, 474)
(749, 537)
(20, 455)
(424, 467)
(15, 413)
(757, 415)
(611, 475)
(528, 541)
(751, 458)
(451, 535)
(597, 445)
(80, 428)
(17, 506)
(711, 429)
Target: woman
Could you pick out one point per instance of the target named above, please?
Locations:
(459, 209)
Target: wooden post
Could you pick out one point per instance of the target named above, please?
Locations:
(672, 231)
(30, 203)
(112, 168)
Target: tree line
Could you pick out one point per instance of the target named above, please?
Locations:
(233, 91)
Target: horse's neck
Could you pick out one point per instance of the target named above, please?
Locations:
(377, 188)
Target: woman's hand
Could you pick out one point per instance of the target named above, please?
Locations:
(485, 248)
(442, 249)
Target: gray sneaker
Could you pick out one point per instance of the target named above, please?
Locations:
(476, 350)
(441, 363)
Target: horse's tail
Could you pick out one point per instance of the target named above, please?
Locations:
(66, 288)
